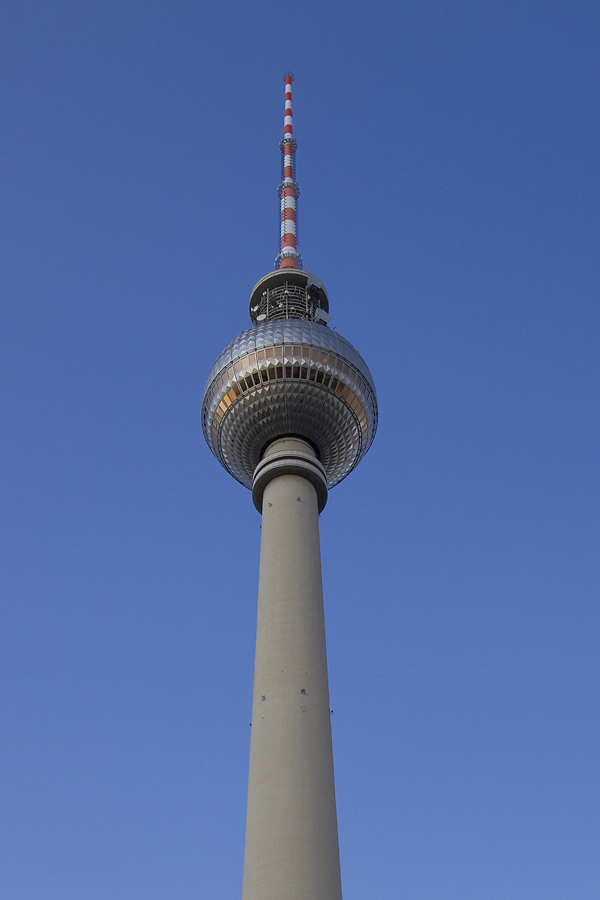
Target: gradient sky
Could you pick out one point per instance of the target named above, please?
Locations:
(448, 165)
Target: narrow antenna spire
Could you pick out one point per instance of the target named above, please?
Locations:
(288, 190)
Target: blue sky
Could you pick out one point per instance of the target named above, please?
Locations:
(447, 159)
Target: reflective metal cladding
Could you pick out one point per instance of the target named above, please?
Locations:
(289, 376)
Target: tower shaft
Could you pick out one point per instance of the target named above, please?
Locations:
(291, 832)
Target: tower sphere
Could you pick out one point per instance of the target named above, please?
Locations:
(289, 375)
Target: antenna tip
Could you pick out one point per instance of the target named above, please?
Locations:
(287, 75)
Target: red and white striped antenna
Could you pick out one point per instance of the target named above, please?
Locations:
(288, 190)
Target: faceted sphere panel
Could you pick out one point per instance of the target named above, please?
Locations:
(289, 377)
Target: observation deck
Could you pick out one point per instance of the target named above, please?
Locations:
(289, 376)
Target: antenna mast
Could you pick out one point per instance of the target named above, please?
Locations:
(288, 190)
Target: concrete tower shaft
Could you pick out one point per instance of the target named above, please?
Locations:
(291, 829)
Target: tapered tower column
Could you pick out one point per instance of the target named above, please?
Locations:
(291, 832)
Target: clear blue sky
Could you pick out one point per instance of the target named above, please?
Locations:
(448, 164)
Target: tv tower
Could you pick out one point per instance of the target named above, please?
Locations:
(289, 409)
